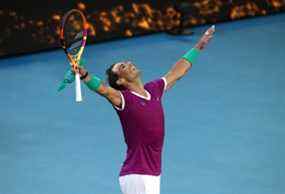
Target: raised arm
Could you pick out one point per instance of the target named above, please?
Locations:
(96, 85)
(182, 66)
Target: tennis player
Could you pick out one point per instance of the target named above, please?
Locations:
(140, 110)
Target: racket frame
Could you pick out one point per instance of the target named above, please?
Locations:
(73, 60)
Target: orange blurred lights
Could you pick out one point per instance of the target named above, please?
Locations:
(134, 19)
(135, 8)
(40, 23)
(248, 9)
(105, 20)
(128, 33)
(115, 14)
(276, 3)
(81, 6)
(148, 9)
(56, 17)
(92, 30)
(143, 24)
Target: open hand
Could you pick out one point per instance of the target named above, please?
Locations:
(208, 35)
(77, 68)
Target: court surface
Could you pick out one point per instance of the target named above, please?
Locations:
(225, 121)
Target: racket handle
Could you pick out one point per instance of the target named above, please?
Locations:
(78, 88)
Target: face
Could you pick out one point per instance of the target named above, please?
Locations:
(126, 70)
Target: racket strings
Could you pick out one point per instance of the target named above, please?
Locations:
(73, 33)
(74, 46)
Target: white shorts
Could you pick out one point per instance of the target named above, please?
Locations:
(140, 184)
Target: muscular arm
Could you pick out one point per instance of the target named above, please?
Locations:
(179, 69)
(182, 66)
(111, 94)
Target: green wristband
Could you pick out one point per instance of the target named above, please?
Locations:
(94, 83)
(192, 55)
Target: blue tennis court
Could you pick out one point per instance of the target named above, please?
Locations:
(225, 121)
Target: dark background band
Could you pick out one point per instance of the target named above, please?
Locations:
(30, 26)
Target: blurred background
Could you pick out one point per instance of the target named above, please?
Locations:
(29, 26)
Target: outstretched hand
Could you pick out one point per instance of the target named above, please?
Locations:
(205, 39)
(78, 67)
(69, 75)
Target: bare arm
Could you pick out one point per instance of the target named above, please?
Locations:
(111, 94)
(182, 66)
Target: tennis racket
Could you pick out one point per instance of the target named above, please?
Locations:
(73, 36)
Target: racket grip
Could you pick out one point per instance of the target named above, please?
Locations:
(78, 88)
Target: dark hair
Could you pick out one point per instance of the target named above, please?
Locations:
(112, 78)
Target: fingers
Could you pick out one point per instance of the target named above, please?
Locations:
(78, 69)
(205, 39)
(210, 31)
(209, 34)
(209, 37)
(75, 68)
